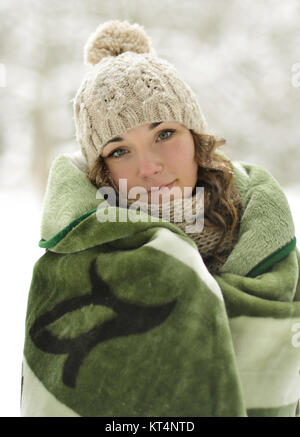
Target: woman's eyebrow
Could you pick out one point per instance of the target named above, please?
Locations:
(118, 139)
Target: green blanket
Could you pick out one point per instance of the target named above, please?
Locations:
(124, 319)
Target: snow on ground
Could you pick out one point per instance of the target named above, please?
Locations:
(21, 214)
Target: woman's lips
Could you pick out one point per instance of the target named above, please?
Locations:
(162, 187)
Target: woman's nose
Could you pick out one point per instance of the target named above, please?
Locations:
(149, 164)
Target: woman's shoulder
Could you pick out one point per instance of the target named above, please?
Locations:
(267, 226)
(255, 181)
(69, 193)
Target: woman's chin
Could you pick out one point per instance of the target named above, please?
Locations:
(161, 197)
(164, 195)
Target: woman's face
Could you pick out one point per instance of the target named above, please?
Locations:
(154, 155)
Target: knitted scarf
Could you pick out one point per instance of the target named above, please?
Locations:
(208, 239)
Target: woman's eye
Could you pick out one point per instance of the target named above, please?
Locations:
(163, 135)
(112, 154)
(167, 131)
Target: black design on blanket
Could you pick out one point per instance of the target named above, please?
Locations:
(131, 318)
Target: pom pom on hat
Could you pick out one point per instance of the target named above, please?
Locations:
(114, 38)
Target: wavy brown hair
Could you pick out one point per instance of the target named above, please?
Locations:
(223, 207)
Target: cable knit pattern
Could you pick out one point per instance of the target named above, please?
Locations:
(128, 88)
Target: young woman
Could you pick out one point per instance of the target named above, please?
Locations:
(154, 317)
(172, 156)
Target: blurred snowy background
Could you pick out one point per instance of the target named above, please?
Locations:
(241, 57)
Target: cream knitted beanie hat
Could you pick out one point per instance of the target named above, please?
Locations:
(128, 86)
